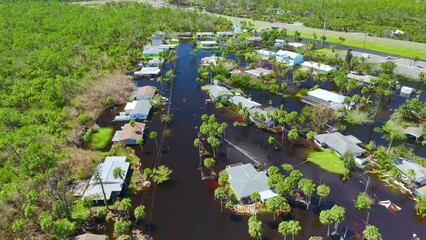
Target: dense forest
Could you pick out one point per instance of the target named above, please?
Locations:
(378, 17)
(61, 64)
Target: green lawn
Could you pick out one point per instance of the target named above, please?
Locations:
(327, 160)
(101, 138)
(400, 51)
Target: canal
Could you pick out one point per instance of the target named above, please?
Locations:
(185, 208)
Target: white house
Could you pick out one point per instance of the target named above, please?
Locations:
(245, 102)
(265, 54)
(288, 57)
(367, 79)
(318, 67)
(208, 43)
(157, 38)
(237, 27)
(224, 34)
(327, 98)
(138, 109)
(340, 143)
(257, 113)
(112, 186)
(217, 92)
(295, 45)
(259, 72)
(244, 180)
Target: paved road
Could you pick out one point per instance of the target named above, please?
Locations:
(405, 66)
(347, 35)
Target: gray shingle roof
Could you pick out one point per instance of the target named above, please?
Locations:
(340, 143)
(245, 180)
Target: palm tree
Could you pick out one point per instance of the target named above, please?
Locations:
(325, 218)
(139, 213)
(283, 228)
(126, 205)
(255, 197)
(220, 194)
(323, 191)
(119, 173)
(307, 186)
(337, 214)
(411, 174)
(371, 233)
(99, 181)
(294, 228)
(153, 135)
(277, 203)
(255, 228)
(209, 163)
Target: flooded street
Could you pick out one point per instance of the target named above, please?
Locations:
(185, 208)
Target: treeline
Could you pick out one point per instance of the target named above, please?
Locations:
(56, 60)
(378, 17)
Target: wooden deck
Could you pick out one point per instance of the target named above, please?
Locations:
(245, 209)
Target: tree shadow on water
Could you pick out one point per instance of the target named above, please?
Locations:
(235, 218)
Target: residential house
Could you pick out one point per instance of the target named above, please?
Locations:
(244, 180)
(146, 92)
(262, 116)
(254, 41)
(148, 71)
(265, 54)
(295, 45)
(205, 35)
(340, 143)
(259, 72)
(415, 132)
(112, 186)
(184, 35)
(158, 38)
(291, 58)
(237, 27)
(138, 110)
(210, 60)
(89, 236)
(365, 79)
(245, 102)
(208, 43)
(405, 165)
(224, 34)
(129, 134)
(317, 67)
(324, 97)
(406, 91)
(155, 62)
(218, 93)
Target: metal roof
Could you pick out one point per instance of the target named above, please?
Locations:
(110, 184)
(218, 91)
(246, 103)
(327, 95)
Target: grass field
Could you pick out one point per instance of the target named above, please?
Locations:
(400, 51)
(101, 138)
(327, 160)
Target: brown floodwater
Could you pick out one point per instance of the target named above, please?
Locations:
(185, 208)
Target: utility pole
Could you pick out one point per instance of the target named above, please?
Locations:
(365, 38)
(323, 30)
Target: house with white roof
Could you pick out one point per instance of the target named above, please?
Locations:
(224, 34)
(237, 27)
(138, 110)
(340, 143)
(245, 102)
(265, 54)
(317, 67)
(365, 79)
(244, 180)
(262, 115)
(204, 35)
(404, 165)
(111, 186)
(208, 43)
(291, 58)
(218, 93)
(259, 72)
(324, 97)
